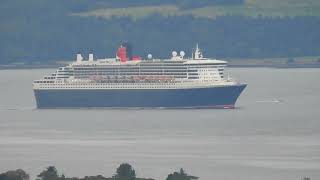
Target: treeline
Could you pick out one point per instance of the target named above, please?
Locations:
(124, 172)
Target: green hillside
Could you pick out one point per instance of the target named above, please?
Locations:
(250, 8)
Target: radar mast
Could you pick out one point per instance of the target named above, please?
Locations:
(197, 53)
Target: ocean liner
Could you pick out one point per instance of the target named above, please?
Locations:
(128, 81)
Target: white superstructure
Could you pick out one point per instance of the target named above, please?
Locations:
(113, 73)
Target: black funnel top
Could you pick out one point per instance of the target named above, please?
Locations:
(128, 47)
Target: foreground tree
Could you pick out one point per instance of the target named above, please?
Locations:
(125, 172)
(306, 178)
(50, 173)
(180, 176)
(14, 175)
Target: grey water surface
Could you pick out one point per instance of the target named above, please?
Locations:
(274, 133)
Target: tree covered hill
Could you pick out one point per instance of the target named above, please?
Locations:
(44, 31)
(211, 9)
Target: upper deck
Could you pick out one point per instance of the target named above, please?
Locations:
(116, 62)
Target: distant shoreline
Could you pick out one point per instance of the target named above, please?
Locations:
(13, 67)
(275, 66)
(231, 64)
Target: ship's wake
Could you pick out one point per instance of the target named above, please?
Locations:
(17, 108)
(270, 101)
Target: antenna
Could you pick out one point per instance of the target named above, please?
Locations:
(197, 53)
(91, 56)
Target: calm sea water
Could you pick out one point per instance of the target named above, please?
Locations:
(273, 134)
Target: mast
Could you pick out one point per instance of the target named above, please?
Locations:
(198, 53)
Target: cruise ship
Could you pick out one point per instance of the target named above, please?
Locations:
(128, 81)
